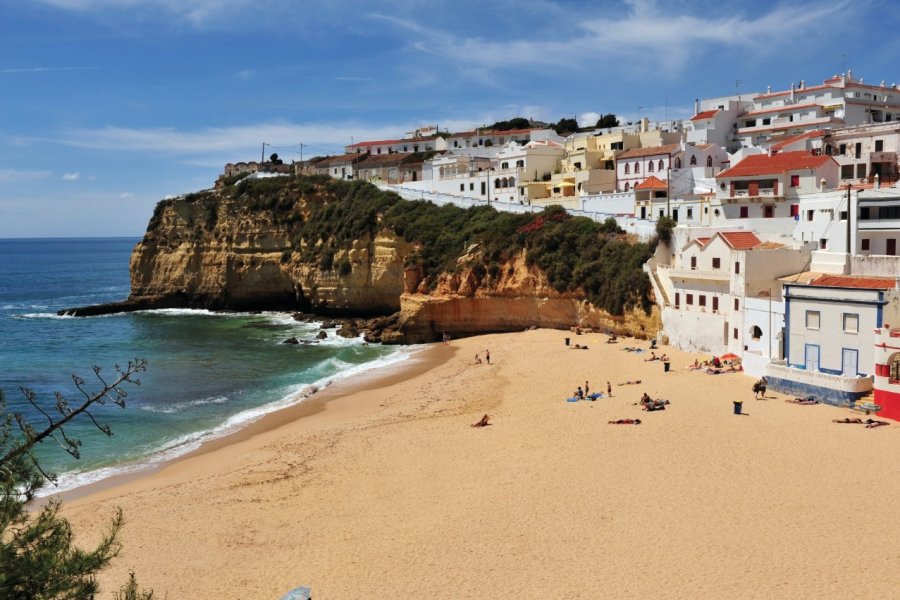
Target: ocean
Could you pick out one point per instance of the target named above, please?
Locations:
(208, 373)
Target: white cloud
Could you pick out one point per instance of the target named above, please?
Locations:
(20, 175)
(195, 12)
(125, 195)
(649, 36)
(71, 176)
(45, 70)
(588, 119)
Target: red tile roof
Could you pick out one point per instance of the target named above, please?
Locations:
(702, 240)
(763, 164)
(740, 240)
(796, 138)
(650, 151)
(706, 114)
(875, 283)
(652, 183)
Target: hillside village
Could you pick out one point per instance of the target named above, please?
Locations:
(786, 212)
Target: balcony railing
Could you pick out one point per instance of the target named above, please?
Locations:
(688, 273)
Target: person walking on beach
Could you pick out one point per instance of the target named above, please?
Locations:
(487, 356)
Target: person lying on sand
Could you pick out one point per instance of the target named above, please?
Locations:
(803, 401)
(629, 382)
(578, 347)
(625, 422)
(848, 420)
(871, 423)
(484, 422)
(652, 357)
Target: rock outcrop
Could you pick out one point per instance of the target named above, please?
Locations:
(223, 251)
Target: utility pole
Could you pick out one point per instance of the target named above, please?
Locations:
(849, 253)
(262, 155)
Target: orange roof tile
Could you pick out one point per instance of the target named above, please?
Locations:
(763, 164)
(876, 283)
(650, 151)
(740, 240)
(796, 138)
(652, 183)
(706, 114)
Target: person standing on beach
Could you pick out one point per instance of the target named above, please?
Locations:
(587, 389)
(608, 389)
(487, 356)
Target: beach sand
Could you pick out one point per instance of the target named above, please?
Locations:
(388, 492)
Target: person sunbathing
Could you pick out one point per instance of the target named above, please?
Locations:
(871, 423)
(625, 422)
(477, 360)
(484, 422)
(629, 382)
(652, 357)
(848, 420)
(803, 401)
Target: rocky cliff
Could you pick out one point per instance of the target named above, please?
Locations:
(327, 247)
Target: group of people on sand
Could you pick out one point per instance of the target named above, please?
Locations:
(581, 394)
(649, 404)
(487, 357)
(664, 357)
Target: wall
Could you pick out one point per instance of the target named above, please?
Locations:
(830, 389)
(694, 331)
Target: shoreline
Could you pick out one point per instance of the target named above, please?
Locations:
(420, 361)
(391, 488)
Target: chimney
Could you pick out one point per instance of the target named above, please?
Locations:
(802, 84)
(769, 89)
(696, 106)
(792, 92)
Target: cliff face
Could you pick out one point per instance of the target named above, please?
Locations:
(325, 247)
(517, 298)
(245, 259)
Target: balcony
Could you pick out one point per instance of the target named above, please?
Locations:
(882, 157)
(688, 273)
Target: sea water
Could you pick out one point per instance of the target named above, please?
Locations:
(208, 373)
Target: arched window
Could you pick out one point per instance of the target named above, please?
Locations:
(693, 161)
(627, 169)
(678, 163)
(756, 332)
(497, 183)
(627, 186)
(637, 167)
(709, 161)
(661, 165)
(512, 182)
(650, 167)
(520, 163)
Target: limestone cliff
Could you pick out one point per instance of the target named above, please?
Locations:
(348, 249)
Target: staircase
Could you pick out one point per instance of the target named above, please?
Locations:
(659, 286)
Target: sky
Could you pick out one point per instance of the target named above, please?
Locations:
(108, 106)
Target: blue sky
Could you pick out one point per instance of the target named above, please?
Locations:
(111, 105)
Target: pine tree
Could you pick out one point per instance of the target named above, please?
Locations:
(38, 557)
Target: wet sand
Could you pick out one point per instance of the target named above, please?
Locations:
(387, 491)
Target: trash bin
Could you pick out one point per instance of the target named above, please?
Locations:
(666, 366)
(737, 407)
(567, 341)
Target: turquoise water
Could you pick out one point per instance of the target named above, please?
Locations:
(208, 373)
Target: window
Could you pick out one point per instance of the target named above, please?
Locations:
(842, 149)
(693, 262)
(690, 213)
(737, 304)
(504, 165)
(734, 333)
(709, 161)
(701, 300)
(520, 163)
(745, 212)
(578, 166)
(756, 332)
(678, 163)
(823, 244)
(795, 210)
(627, 186)
(768, 211)
(627, 169)
(846, 171)
(637, 167)
(865, 244)
(677, 299)
(737, 268)
(715, 303)
(650, 167)
(462, 187)
(851, 322)
(879, 145)
(716, 262)
(689, 299)
(809, 215)
(812, 319)
(693, 161)
(661, 165)
(795, 181)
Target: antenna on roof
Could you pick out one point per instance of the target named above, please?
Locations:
(737, 88)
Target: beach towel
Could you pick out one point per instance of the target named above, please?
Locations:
(572, 399)
(300, 593)
(595, 395)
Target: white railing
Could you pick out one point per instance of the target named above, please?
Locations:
(842, 383)
(689, 273)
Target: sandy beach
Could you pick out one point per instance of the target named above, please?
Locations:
(386, 491)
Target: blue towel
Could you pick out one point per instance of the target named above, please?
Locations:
(572, 399)
(595, 396)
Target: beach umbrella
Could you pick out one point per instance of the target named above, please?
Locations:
(300, 593)
(729, 356)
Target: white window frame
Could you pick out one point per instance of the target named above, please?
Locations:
(813, 317)
(848, 318)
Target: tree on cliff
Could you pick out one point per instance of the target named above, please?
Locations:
(275, 160)
(38, 558)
